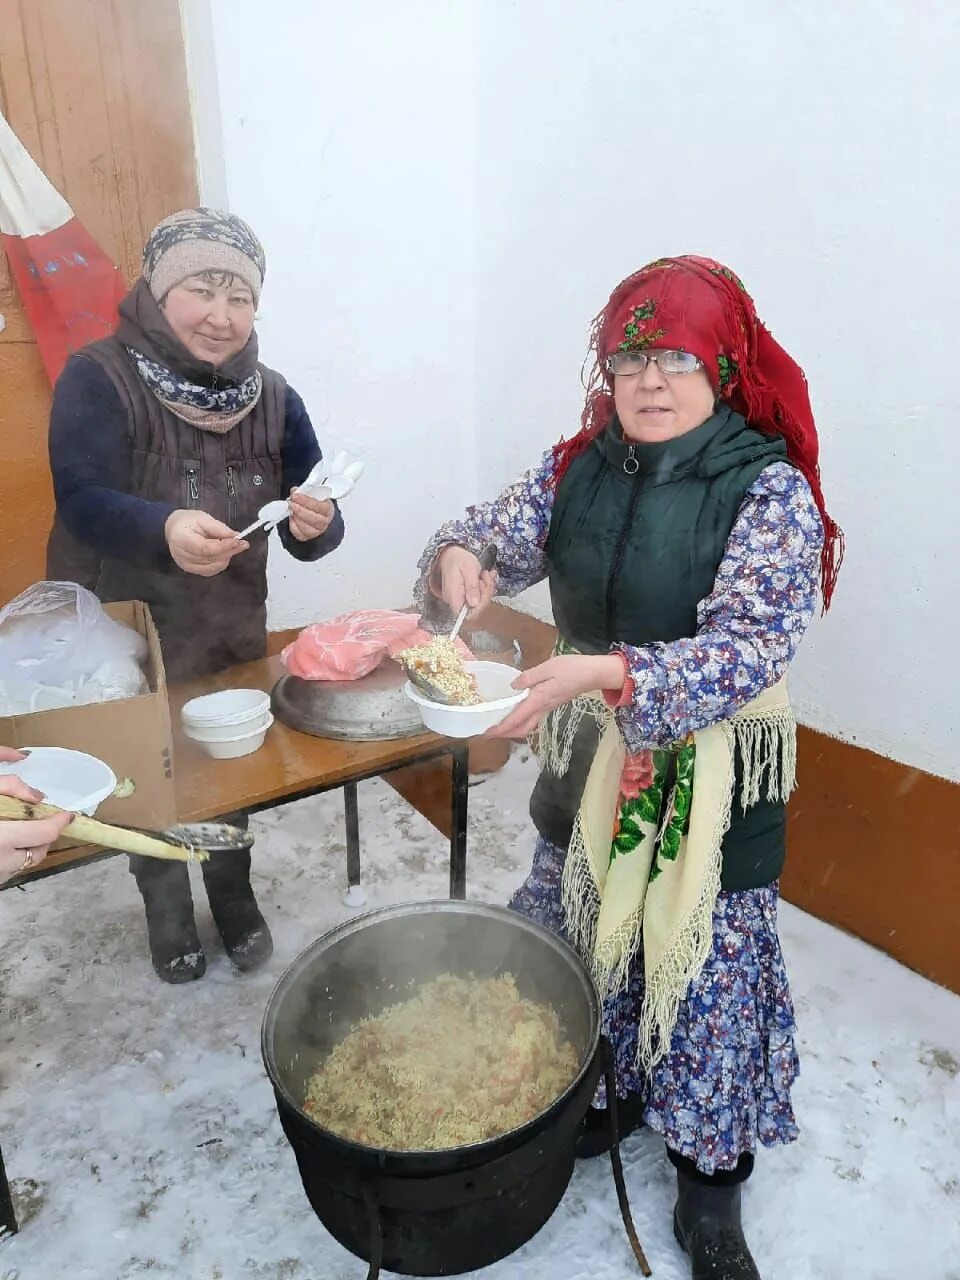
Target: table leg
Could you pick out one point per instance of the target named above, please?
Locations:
(8, 1216)
(354, 896)
(460, 776)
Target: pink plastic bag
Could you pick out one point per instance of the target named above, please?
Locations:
(350, 646)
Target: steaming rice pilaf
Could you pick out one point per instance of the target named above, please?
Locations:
(462, 1061)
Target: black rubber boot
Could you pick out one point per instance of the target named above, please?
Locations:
(594, 1136)
(706, 1222)
(172, 931)
(246, 937)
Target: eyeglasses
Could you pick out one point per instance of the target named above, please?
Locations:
(624, 363)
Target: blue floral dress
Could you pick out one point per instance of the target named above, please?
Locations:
(725, 1083)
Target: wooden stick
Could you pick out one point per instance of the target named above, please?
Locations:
(89, 831)
(621, 1186)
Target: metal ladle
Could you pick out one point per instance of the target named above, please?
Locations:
(488, 561)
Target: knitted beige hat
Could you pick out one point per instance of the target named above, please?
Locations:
(196, 240)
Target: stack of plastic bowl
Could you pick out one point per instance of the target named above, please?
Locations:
(228, 724)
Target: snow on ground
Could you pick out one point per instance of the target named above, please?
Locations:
(141, 1138)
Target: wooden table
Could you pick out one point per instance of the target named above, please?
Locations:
(427, 771)
(292, 765)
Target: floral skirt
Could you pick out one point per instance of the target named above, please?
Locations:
(726, 1080)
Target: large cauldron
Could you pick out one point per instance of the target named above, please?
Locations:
(438, 1212)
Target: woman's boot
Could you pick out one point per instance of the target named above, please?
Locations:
(706, 1221)
(172, 931)
(243, 929)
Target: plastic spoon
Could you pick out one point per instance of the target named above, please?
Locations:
(322, 483)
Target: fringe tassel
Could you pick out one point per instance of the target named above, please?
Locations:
(553, 742)
(580, 896)
(610, 962)
(767, 744)
(614, 958)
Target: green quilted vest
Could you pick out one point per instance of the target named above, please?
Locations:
(636, 536)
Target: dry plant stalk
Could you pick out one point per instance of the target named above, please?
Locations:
(89, 831)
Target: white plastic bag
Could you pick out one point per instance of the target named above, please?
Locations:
(59, 647)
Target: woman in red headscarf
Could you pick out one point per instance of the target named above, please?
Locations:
(684, 536)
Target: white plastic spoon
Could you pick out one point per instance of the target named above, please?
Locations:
(324, 482)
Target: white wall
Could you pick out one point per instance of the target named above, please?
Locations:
(449, 190)
(343, 137)
(814, 147)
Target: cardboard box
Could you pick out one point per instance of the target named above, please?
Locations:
(131, 734)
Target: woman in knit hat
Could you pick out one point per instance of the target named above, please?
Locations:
(164, 439)
(684, 535)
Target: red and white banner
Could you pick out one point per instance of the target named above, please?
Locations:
(69, 287)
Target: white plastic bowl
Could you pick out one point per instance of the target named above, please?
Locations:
(494, 684)
(243, 744)
(69, 779)
(227, 707)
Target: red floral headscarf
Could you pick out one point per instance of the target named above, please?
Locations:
(696, 304)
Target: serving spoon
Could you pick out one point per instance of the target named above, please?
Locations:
(419, 679)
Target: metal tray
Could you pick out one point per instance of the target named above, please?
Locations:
(371, 709)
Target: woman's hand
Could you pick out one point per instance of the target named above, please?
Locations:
(309, 517)
(199, 544)
(555, 682)
(458, 580)
(25, 844)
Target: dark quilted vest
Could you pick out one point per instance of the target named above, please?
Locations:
(205, 624)
(630, 556)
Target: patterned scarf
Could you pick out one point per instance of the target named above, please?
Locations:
(698, 305)
(209, 409)
(212, 397)
(643, 869)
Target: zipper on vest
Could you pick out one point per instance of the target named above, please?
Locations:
(193, 486)
(231, 498)
(621, 548)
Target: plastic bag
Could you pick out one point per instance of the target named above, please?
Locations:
(116, 678)
(59, 647)
(350, 646)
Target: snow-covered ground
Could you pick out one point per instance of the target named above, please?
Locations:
(140, 1134)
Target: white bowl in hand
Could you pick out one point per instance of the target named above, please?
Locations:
(68, 779)
(495, 686)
